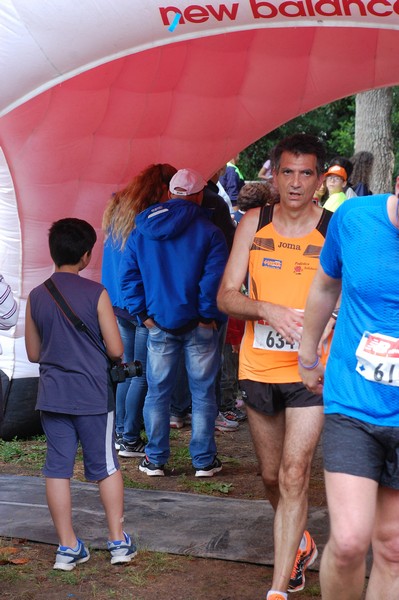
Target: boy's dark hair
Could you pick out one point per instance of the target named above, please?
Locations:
(69, 239)
(297, 144)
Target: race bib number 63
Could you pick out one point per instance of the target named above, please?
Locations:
(267, 338)
(378, 358)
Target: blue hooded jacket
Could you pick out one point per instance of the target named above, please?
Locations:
(172, 265)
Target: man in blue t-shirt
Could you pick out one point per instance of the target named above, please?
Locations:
(360, 260)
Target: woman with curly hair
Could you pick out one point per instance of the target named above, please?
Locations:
(147, 188)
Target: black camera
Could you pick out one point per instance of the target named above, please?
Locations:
(121, 371)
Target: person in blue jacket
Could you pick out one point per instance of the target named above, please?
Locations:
(148, 187)
(169, 274)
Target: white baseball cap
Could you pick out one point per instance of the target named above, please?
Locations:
(186, 182)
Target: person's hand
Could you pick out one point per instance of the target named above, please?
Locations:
(313, 379)
(149, 323)
(288, 322)
(211, 325)
(235, 348)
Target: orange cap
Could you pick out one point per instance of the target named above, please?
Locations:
(336, 170)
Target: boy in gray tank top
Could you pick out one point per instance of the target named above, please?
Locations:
(73, 397)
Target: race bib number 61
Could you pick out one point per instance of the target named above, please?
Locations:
(378, 358)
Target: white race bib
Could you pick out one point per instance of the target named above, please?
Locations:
(267, 338)
(378, 358)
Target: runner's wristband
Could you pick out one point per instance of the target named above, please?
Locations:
(309, 367)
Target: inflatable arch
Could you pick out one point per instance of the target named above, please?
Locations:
(94, 91)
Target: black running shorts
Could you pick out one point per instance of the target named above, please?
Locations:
(358, 448)
(272, 398)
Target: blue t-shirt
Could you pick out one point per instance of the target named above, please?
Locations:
(362, 248)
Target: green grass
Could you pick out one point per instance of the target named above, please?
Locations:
(11, 452)
(179, 458)
(10, 574)
(31, 452)
(313, 591)
(132, 484)
(152, 564)
(199, 486)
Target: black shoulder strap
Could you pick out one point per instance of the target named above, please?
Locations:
(70, 315)
(324, 222)
(265, 216)
(64, 306)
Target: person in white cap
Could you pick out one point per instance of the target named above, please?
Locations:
(170, 273)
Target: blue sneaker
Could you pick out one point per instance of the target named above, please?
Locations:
(122, 551)
(67, 558)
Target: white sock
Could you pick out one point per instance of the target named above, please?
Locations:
(283, 594)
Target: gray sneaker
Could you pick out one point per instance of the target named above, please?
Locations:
(122, 551)
(223, 424)
(176, 422)
(118, 440)
(150, 469)
(132, 449)
(210, 470)
(67, 558)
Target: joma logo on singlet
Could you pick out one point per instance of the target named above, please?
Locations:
(289, 246)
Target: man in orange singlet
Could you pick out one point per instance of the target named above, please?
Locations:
(279, 246)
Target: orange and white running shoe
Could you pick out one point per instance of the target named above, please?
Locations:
(304, 559)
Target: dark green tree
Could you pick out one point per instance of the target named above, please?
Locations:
(334, 123)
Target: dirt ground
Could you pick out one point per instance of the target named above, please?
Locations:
(156, 576)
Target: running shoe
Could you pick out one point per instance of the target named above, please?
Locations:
(176, 422)
(223, 424)
(235, 414)
(210, 470)
(132, 449)
(118, 440)
(150, 469)
(304, 559)
(67, 558)
(122, 551)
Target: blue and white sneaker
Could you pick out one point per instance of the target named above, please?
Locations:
(67, 558)
(122, 551)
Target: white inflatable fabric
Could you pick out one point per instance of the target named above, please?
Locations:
(94, 91)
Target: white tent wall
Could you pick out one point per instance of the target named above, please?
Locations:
(94, 91)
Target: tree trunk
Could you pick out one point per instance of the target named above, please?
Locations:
(373, 133)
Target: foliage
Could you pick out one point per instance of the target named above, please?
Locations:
(334, 123)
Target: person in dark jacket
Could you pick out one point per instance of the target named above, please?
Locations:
(170, 274)
(233, 180)
(218, 212)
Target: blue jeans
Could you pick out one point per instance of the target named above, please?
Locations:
(202, 359)
(180, 404)
(130, 394)
(181, 399)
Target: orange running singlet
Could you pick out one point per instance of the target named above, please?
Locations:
(281, 271)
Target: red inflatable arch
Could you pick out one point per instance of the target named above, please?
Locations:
(93, 91)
